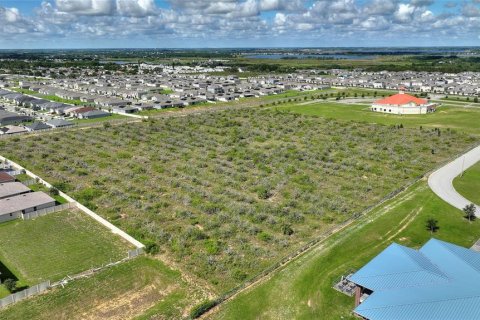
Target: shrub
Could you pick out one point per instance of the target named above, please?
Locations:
(10, 284)
(151, 247)
(202, 308)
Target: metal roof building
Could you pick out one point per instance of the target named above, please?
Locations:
(439, 281)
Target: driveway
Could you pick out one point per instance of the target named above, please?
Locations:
(441, 180)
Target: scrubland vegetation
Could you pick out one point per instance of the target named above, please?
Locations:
(227, 194)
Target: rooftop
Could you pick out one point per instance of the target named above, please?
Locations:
(24, 201)
(9, 189)
(439, 281)
(401, 99)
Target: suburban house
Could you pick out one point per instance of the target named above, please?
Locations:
(93, 114)
(438, 281)
(13, 207)
(37, 126)
(58, 123)
(10, 189)
(12, 129)
(7, 117)
(402, 103)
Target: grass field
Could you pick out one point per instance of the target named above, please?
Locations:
(228, 194)
(469, 184)
(142, 288)
(56, 245)
(462, 119)
(303, 289)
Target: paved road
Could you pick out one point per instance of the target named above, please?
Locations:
(441, 180)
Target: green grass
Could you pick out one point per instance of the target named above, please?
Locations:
(56, 245)
(463, 119)
(468, 185)
(142, 288)
(303, 289)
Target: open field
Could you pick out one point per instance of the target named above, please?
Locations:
(142, 288)
(462, 119)
(228, 194)
(56, 245)
(469, 184)
(303, 289)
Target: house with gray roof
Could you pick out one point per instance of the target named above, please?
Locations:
(14, 207)
(7, 117)
(10, 189)
(58, 123)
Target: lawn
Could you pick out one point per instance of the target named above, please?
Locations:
(56, 245)
(468, 185)
(142, 288)
(462, 119)
(303, 289)
(228, 194)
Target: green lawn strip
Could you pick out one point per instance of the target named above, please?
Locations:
(56, 245)
(123, 291)
(468, 185)
(303, 290)
(464, 119)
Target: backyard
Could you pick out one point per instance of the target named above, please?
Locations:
(139, 289)
(56, 245)
(228, 194)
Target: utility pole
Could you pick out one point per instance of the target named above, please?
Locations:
(463, 166)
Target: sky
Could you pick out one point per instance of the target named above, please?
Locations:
(237, 23)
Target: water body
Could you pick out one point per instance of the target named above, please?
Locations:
(277, 56)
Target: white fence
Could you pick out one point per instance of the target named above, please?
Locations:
(15, 297)
(42, 212)
(89, 212)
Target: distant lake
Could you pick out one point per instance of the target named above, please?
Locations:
(276, 56)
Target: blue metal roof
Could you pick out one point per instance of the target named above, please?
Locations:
(439, 281)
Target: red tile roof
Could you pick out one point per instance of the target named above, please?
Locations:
(401, 99)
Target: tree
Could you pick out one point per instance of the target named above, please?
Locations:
(432, 225)
(469, 211)
(10, 284)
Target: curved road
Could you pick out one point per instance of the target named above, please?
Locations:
(441, 181)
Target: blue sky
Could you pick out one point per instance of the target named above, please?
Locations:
(237, 23)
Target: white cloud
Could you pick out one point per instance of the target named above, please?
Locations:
(404, 12)
(86, 7)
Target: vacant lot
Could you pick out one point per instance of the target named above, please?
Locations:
(469, 184)
(460, 118)
(56, 245)
(303, 290)
(227, 194)
(138, 287)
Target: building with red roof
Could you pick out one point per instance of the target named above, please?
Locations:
(402, 103)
